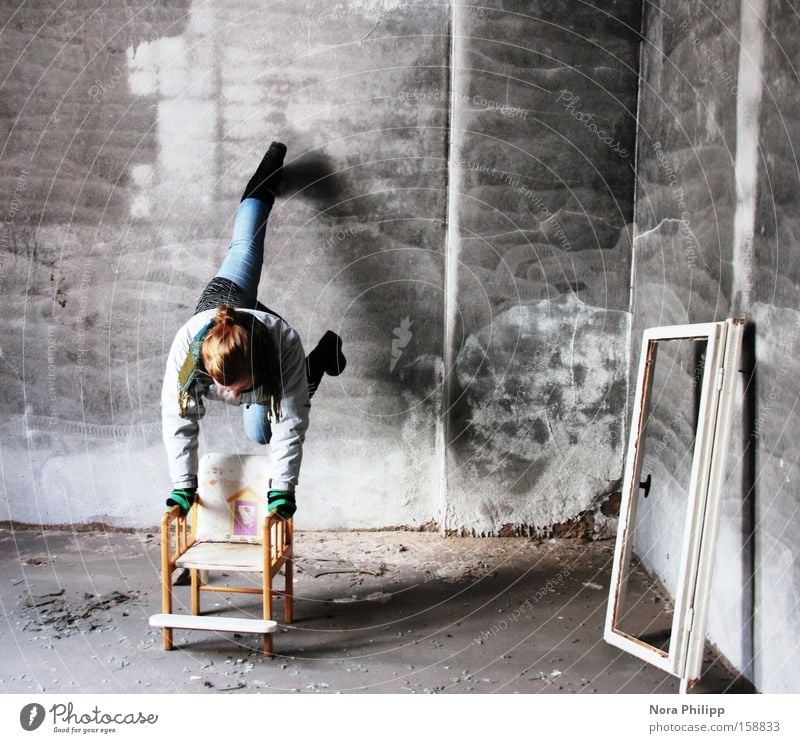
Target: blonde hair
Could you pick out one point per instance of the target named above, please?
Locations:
(233, 352)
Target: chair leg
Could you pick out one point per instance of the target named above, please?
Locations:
(195, 591)
(288, 607)
(267, 598)
(266, 581)
(288, 597)
(166, 585)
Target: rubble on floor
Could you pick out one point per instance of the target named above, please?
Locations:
(396, 612)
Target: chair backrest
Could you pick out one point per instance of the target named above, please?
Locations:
(232, 497)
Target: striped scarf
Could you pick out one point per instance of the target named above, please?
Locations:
(191, 369)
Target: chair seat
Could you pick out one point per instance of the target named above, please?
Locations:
(234, 556)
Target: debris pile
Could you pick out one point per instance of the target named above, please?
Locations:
(60, 617)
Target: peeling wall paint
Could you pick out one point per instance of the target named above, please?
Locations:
(540, 391)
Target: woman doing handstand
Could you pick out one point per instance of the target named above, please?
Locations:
(236, 350)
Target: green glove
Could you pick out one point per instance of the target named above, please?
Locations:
(181, 497)
(282, 503)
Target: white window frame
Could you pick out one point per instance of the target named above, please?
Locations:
(687, 638)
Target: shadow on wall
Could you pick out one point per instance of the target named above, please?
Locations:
(312, 177)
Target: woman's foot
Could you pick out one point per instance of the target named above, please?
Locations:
(326, 358)
(266, 180)
(331, 356)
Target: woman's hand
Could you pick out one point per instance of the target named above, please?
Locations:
(182, 497)
(281, 502)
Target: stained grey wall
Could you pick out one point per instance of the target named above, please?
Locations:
(129, 138)
(772, 281)
(682, 268)
(458, 207)
(715, 236)
(544, 108)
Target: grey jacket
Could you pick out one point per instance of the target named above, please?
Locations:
(288, 434)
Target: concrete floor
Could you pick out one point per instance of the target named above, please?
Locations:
(375, 611)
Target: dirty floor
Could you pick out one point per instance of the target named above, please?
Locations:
(400, 612)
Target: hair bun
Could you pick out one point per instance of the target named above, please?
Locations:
(226, 315)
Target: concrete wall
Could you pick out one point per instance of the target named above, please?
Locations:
(542, 153)
(716, 235)
(685, 208)
(458, 207)
(130, 136)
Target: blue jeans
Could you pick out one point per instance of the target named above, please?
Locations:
(242, 266)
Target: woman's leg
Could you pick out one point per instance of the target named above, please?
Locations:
(256, 423)
(326, 358)
(242, 266)
(242, 263)
(245, 256)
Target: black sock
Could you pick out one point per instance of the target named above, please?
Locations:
(326, 358)
(265, 181)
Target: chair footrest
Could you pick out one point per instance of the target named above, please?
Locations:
(212, 623)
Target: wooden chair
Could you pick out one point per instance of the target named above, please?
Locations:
(230, 531)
